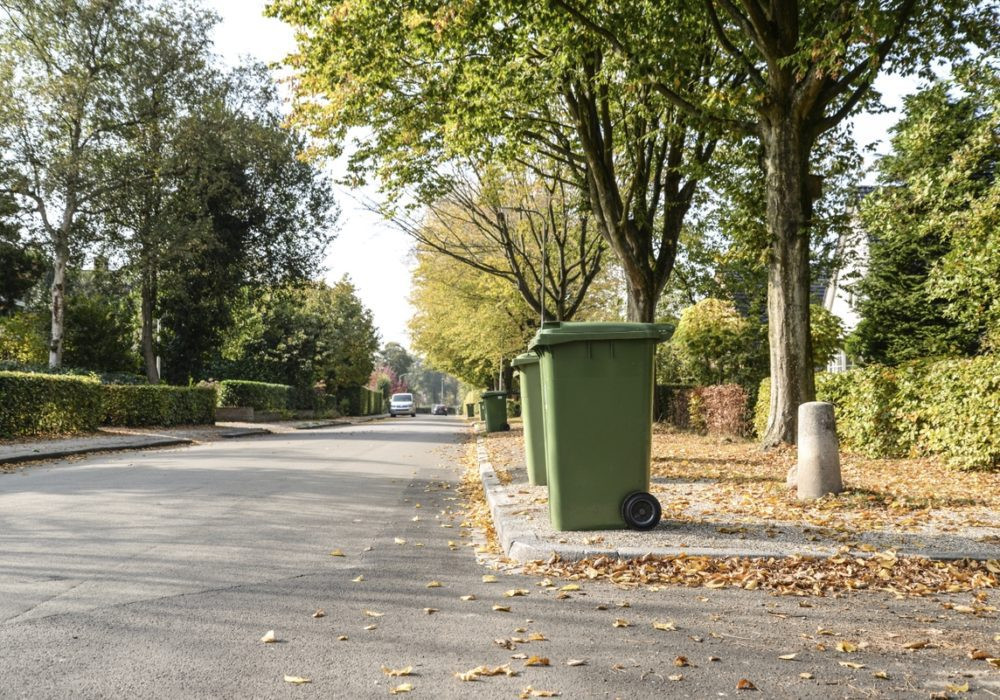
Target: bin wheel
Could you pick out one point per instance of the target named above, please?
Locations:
(641, 511)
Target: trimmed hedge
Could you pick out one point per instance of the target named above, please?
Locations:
(370, 402)
(259, 396)
(32, 404)
(949, 408)
(130, 405)
(722, 409)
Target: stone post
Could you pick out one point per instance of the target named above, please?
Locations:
(818, 468)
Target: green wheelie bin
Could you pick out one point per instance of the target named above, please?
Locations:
(470, 410)
(531, 417)
(597, 395)
(495, 411)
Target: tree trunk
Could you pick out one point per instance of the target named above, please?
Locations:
(58, 303)
(786, 154)
(148, 347)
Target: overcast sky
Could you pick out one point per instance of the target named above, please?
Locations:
(373, 254)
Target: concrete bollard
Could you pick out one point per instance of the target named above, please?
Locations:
(818, 468)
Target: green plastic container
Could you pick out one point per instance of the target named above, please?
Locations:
(495, 411)
(470, 410)
(531, 417)
(597, 396)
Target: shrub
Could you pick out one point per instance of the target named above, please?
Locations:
(132, 405)
(762, 407)
(672, 404)
(33, 404)
(723, 409)
(949, 408)
(371, 402)
(259, 396)
(713, 343)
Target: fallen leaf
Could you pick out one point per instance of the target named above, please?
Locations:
(372, 613)
(569, 587)
(269, 638)
(978, 655)
(677, 677)
(537, 661)
(468, 597)
(964, 688)
(681, 661)
(745, 684)
(369, 628)
(601, 607)
(576, 662)
(489, 578)
(806, 676)
(434, 584)
(342, 638)
(995, 663)
(337, 553)
(359, 579)
(397, 671)
(530, 692)
(319, 613)
(297, 680)
(516, 593)
(714, 658)
(399, 540)
(846, 646)
(788, 657)
(851, 664)
(920, 644)
(536, 637)
(620, 623)
(401, 688)
(501, 608)
(667, 626)
(430, 611)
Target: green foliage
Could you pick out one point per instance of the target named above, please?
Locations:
(100, 333)
(260, 396)
(762, 407)
(35, 404)
(22, 338)
(370, 402)
(714, 344)
(157, 405)
(827, 333)
(23, 263)
(949, 408)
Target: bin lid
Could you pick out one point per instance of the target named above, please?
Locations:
(491, 394)
(528, 358)
(556, 333)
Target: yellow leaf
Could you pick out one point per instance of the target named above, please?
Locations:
(537, 661)
(846, 646)
(667, 626)
(536, 637)
(681, 662)
(269, 638)
(319, 613)
(995, 663)
(806, 676)
(530, 692)
(369, 628)
(397, 671)
(884, 675)
(467, 598)
(851, 664)
(337, 553)
(619, 622)
(342, 638)
(678, 677)
(372, 613)
(434, 584)
(569, 587)
(399, 540)
(516, 593)
(359, 579)
(788, 657)
(964, 688)
(489, 578)
(501, 608)
(297, 680)
(576, 662)
(401, 688)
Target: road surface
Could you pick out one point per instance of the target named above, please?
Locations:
(155, 574)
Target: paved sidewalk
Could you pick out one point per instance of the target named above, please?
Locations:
(520, 515)
(118, 439)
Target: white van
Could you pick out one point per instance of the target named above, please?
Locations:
(402, 403)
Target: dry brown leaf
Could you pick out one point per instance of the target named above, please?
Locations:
(536, 661)
(964, 688)
(399, 540)
(401, 688)
(744, 684)
(788, 657)
(569, 587)
(978, 655)
(919, 644)
(576, 662)
(269, 637)
(397, 671)
(851, 664)
(319, 613)
(681, 661)
(516, 593)
(846, 646)
(297, 680)
(537, 637)
(372, 613)
(468, 597)
(501, 608)
(676, 677)
(489, 578)
(619, 622)
(369, 628)
(806, 676)
(883, 675)
(530, 692)
(434, 584)
(995, 663)
(667, 626)
(337, 553)
(342, 638)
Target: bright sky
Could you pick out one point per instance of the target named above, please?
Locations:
(376, 256)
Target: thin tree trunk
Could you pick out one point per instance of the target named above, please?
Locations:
(58, 304)
(792, 380)
(148, 347)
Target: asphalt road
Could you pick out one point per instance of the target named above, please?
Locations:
(155, 574)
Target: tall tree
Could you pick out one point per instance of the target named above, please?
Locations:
(809, 65)
(22, 262)
(61, 113)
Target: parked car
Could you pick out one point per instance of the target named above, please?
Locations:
(439, 409)
(402, 404)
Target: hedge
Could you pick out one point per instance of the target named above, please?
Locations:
(949, 408)
(130, 405)
(370, 402)
(32, 404)
(259, 396)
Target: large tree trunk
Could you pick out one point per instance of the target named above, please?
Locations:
(148, 346)
(642, 298)
(786, 155)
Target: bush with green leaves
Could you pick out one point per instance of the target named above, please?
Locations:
(35, 404)
(259, 396)
(949, 408)
(713, 343)
(157, 404)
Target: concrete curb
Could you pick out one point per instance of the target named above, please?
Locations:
(119, 447)
(522, 545)
(245, 432)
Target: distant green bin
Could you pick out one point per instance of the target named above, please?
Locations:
(531, 417)
(495, 411)
(470, 410)
(597, 395)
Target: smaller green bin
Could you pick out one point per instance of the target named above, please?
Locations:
(495, 411)
(470, 410)
(531, 417)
